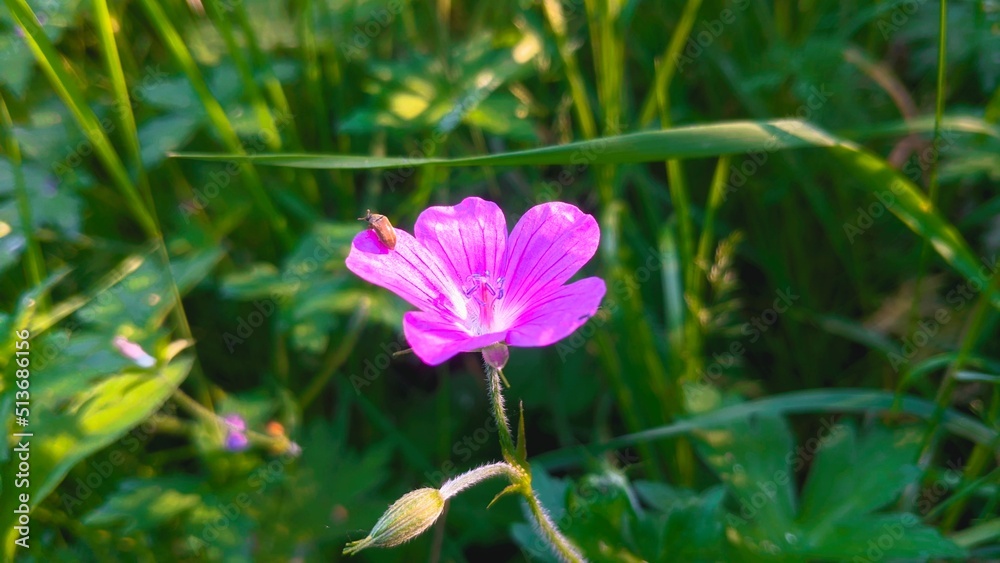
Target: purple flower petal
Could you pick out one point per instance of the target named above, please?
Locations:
(469, 238)
(555, 316)
(475, 286)
(410, 271)
(235, 422)
(550, 244)
(236, 442)
(435, 340)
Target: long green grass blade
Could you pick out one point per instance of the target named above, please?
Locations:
(216, 114)
(681, 142)
(34, 266)
(875, 176)
(54, 68)
(799, 402)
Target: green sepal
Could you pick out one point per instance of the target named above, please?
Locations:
(513, 488)
(521, 452)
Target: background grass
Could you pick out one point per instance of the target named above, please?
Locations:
(796, 358)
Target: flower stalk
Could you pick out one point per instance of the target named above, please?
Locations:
(417, 510)
(560, 545)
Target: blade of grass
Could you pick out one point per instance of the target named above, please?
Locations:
(337, 356)
(652, 146)
(216, 115)
(858, 401)
(978, 534)
(55, 68)
(123, 105)
(577, 87)
(933, 184)
(265, 120)
(668, 63)
(123, 102)
(682, 208)
(34, 265)
(874, 174)
(276, 95)
(673, 293)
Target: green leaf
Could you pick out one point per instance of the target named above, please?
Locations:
(600, 515)
(688, 525)
(852, 477)
(882, 537)
(144, 504)
(161, 135)
(849, 479)
(748, 455)
(511, 489)
(93, 419)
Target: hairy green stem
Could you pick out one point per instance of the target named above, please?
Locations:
(500, 415)
(521, 479)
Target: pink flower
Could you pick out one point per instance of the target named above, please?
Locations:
(475, 286)
(134, 352)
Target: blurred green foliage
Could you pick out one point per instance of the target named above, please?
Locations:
(742, 267)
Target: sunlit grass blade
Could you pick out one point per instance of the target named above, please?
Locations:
(119, 86)
(925, 124)
(681, 142)
(875, 175)
(54, 68)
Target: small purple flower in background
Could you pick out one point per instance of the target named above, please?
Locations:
(478, 288)
(236, 438)
(134, 352)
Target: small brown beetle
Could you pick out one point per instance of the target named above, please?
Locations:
(382, 227)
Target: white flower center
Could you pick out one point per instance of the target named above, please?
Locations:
(483, 293)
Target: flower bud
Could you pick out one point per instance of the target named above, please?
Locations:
(134, 352)
(406, 519)
(496, 355)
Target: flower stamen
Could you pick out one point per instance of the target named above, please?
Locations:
(485, 295)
